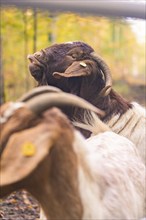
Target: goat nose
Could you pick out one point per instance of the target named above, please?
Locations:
(30, 57)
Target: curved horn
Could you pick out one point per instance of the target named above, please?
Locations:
(107, 74)
(43, 51)
(38, 91)
(40, 103)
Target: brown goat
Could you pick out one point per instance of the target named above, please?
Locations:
(75, 68)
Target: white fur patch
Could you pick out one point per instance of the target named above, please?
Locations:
(42, 215)
(86, 185)
(110, 176)
(9, 112)
(132, 125)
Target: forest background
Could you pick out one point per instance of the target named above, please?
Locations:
(26, 31)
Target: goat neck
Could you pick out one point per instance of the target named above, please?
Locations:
(112, 104)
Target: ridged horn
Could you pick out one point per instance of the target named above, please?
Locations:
(38, 91)
(44, 52)
(107, 74)
(40, 103)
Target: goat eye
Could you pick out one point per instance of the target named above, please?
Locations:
(74, 56)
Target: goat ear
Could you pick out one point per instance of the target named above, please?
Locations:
(24, 152)
(76, 69)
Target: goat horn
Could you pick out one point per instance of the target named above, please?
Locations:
(38, 91)
(107, 74)
(44, 52)
(44, 101)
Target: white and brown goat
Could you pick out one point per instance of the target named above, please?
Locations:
(102, 177)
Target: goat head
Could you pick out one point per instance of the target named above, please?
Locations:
(87, 69)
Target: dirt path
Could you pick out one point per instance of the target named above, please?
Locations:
(19, 206)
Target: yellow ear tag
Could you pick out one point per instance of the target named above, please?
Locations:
(83, 64)
(28, 149)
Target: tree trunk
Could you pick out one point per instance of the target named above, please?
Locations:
(25, 50)
(35, 31)
(2, 91)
